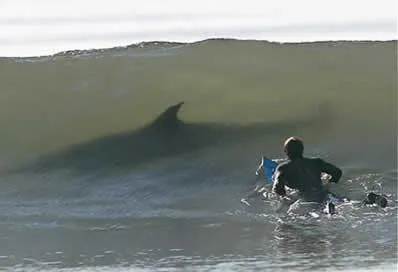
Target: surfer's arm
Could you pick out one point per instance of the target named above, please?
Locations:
(279, 183)
(332, 170)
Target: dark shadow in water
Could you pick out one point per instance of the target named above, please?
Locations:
(167, 135)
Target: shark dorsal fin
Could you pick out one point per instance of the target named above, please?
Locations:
(169, 117)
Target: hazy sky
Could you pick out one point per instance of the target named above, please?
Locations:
(47, 26)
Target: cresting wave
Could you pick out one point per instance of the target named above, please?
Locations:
(51, 103)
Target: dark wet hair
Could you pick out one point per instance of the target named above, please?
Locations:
(294, 147)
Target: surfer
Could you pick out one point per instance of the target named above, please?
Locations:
(298, 180)
(304, 174)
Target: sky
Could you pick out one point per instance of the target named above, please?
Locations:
(44, 27)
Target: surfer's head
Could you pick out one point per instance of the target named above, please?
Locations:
(294, 147)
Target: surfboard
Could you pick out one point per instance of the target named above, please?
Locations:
(269, 169)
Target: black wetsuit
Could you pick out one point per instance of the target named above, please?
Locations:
(304, 175)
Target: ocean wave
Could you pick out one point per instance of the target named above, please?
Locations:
(57, 103)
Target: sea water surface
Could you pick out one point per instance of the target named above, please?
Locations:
(89, 183)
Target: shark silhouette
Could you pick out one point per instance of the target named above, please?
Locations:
(167, 135)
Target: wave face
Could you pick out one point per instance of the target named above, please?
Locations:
(95, 148)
